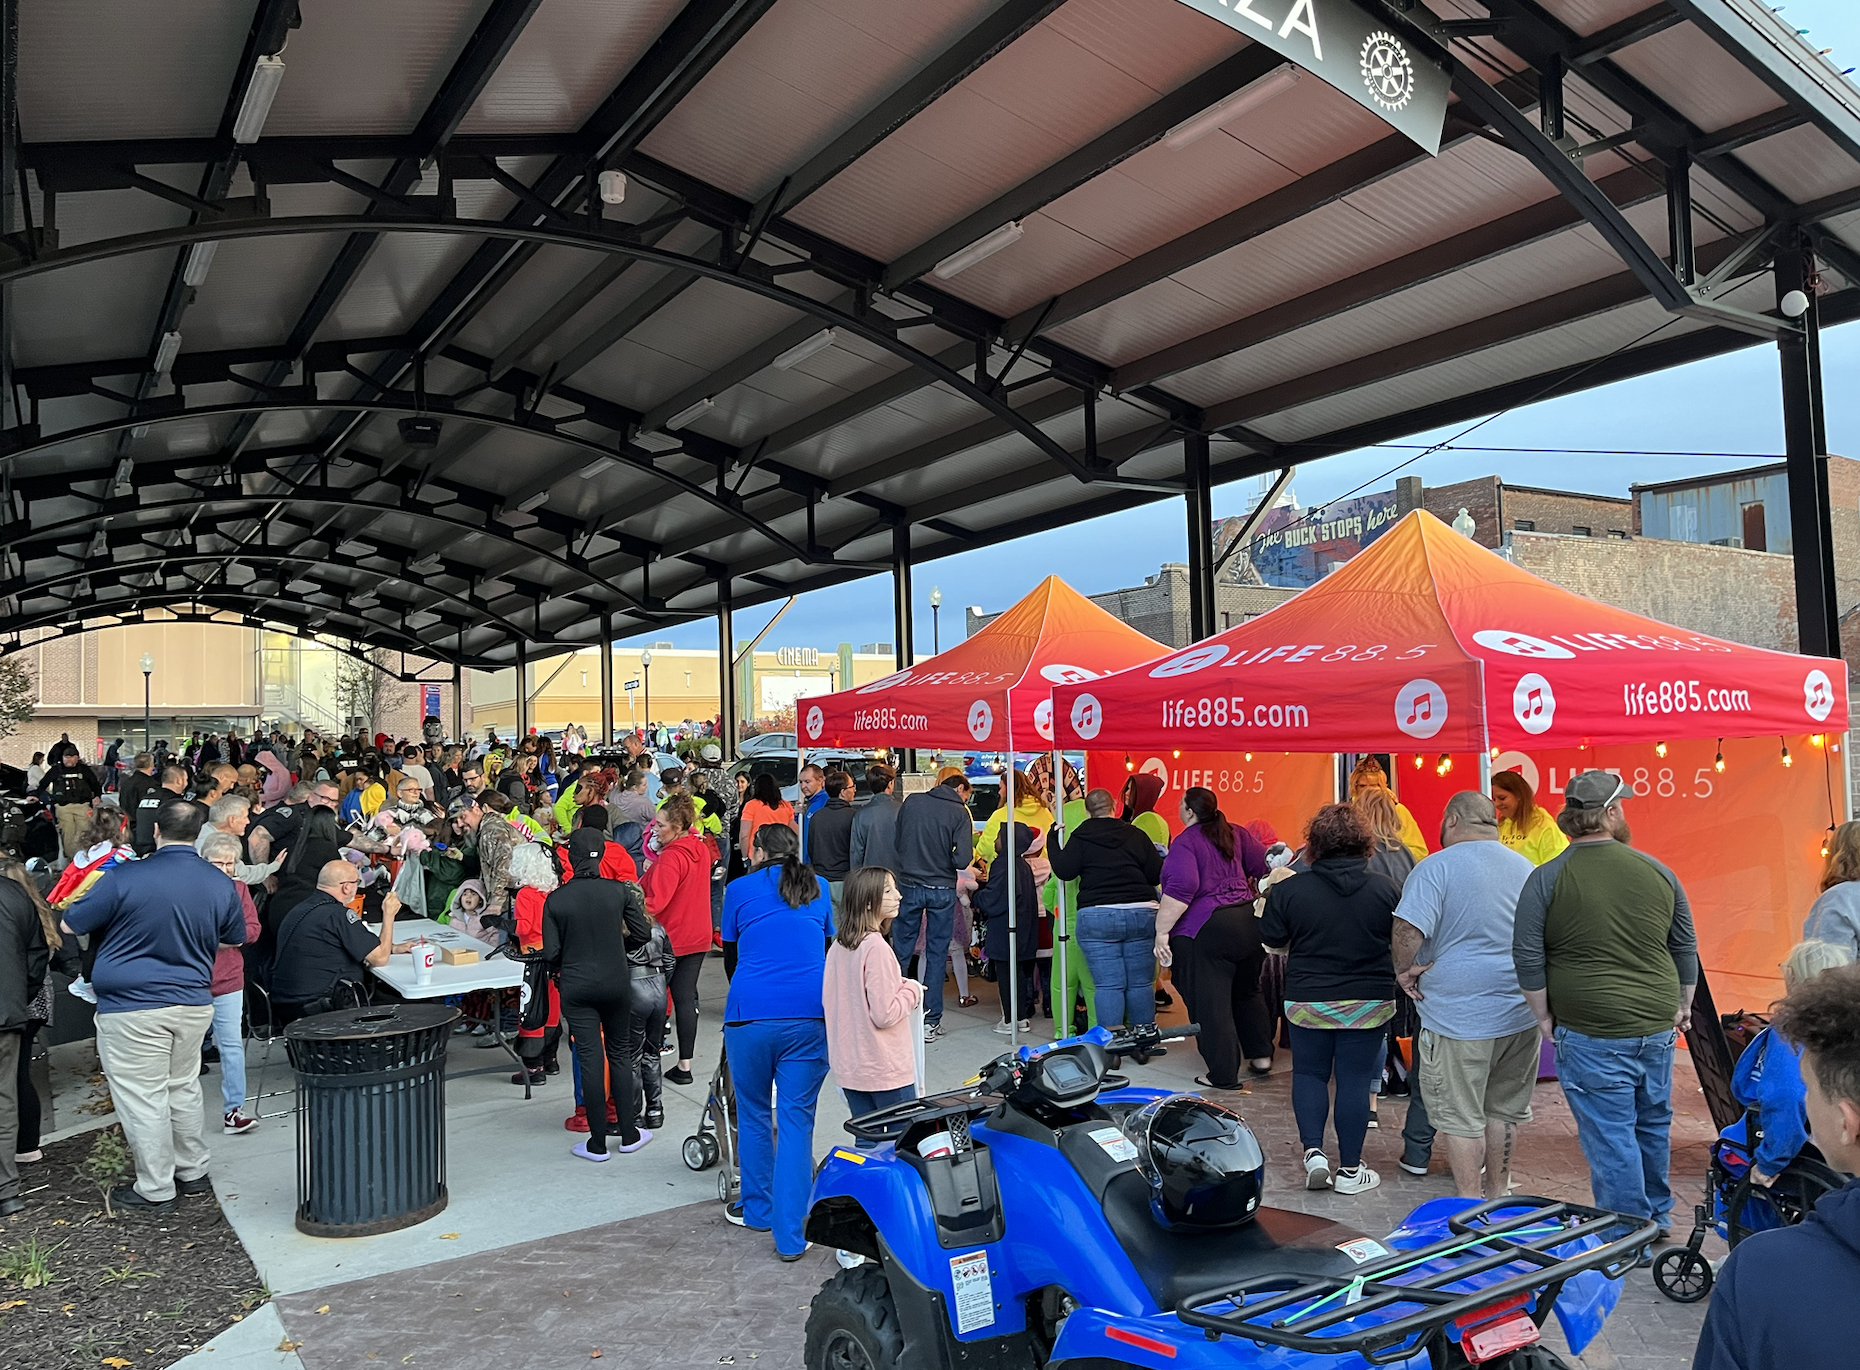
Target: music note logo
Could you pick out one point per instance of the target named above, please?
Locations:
(1087, 717)
(1533, 704)
(1421, 708)
(815, 721)
(1818, 694)
(981, 720)
(1521, 644)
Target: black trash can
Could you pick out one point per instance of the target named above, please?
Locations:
(371, 1120)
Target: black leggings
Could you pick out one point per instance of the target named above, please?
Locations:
(599, 1027)
(29, 1116)
(685, 1001)
(1227, 1002)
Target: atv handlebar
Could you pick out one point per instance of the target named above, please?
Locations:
(1324, 1308)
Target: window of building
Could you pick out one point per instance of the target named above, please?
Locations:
(1618, 533)
(1756, 536)
(1582, 531)
(1525, 525)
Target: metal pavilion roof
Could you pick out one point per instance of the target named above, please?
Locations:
(216, 345)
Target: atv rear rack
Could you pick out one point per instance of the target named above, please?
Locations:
(1323, 1314)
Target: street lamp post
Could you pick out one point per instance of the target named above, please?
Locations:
(148, 669)
(936, 634)
(645, 667)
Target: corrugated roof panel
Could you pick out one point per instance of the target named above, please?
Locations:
(1803, 164)
(1698, 78)
(1572, 344)
(92, 69)
(360, 67)
(568, 58)
(801, 76)
(1043, 97)
(1592, 16)
(104, 309)
(400, 278)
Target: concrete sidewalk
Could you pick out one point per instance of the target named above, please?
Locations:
(544, 1258)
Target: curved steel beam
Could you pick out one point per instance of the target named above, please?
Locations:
(282, 610)
(80, 524)
(23, 587)
(301, 496)
(619, 454)
(105, 249)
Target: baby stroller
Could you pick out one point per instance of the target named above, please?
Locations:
(715, 1140)
(1734, 1207)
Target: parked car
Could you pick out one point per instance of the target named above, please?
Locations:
(768, 744)
(786, 769)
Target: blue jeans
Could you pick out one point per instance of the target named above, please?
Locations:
(1120, 947)
(777, 1062)
(228, 1009)
(863, 1101)
(934, 906)
(1621, 1091)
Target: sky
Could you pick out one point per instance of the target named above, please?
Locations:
(1727, 406)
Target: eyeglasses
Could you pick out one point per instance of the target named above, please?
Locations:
(347, 884)
(226, 866)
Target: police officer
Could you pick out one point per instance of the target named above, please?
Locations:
(70, 788)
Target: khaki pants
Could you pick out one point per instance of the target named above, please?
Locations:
(152, 1059)
(71, 821)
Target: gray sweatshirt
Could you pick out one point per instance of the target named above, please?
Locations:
(1835, 917)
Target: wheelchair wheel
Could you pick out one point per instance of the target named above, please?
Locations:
(1682, 1274)
(700, 1151)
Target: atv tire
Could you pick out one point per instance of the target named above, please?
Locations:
(853, 1324)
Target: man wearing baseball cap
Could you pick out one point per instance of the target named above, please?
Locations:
(1607, 960)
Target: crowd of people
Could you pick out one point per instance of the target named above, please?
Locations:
(1373, 963)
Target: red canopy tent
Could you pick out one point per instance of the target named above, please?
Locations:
(985, 692)
(1429, 640)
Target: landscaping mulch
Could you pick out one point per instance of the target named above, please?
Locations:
(137, 1290)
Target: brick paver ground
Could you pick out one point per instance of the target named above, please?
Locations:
(680, 1288)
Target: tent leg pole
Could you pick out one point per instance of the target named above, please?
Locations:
(1012, 998)
(1485, 772)
(1062, 1027)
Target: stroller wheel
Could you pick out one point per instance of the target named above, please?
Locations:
(727, 1189)
(700, 1151)
(1683, 1275)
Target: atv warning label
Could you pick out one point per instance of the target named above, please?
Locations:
(1363, 1249)
(1115, 1144)
(975, 1297)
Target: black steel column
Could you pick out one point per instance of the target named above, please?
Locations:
(726, 669)
(607, 680)
(1199, 501)
(9, 190)
(1805, 435)
(458, 704)
(901, 596)
(523, 692)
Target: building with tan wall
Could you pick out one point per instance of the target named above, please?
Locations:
(681, 683)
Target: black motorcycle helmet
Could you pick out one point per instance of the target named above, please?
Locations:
(1203, 1163)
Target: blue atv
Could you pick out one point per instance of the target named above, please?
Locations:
(1050, 1217)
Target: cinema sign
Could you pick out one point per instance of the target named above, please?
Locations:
(1346, 46)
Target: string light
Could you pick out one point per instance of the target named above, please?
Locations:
(1417, 761)
(1249, 756)
(1826, 838)
(1817, 739)
(1442, 766)
(1178, 753)
(1659, 749)
(1129, 765)
(1785, 755)
(1718, 762)
(1495, 753)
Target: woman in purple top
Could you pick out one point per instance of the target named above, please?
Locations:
(1206, 928)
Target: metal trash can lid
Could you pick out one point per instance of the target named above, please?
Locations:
(365, 1024)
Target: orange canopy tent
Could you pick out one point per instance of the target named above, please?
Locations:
(1428, 638)
(989, 690)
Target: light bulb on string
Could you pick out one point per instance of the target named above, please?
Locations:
(1129, 765)
(1718, 761)
(1827, 838)
(1417, 761)
(1249, 756)
(1817, 738)
(1178, 753)
(1442, 766)
(1659, 749)
(1786, 759)
(1495, 753)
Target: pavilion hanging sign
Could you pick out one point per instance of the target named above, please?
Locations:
(1348, 47)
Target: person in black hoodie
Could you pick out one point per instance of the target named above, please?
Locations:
(1333, 924)
(1778, 1300)
(935, 840)
(590, 924)
(991, 901)
(1117, 867)
(829, 835)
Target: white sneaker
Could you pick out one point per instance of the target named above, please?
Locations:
(1026, 1025)
(1355, 1181)
(1317, 1171)
(932, 1031)
(81, 988)
(848, 1260)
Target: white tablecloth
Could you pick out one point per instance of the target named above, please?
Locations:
(447, 980)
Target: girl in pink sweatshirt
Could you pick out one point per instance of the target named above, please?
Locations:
(868, 1001)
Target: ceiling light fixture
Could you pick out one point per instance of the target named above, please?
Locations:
(804, 349)
(199, 262)
(612, 187)
(981, 249)
(1243, 101)
(165, 352)
(267, 75)
(690, 414)
(534, 502)
(595, 467)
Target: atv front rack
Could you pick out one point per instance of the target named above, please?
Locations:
(889, 1124)
(1336, 1314)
